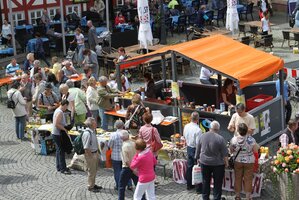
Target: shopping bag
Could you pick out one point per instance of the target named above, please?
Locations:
(78, 162)
(196, 175)
(108, 158)
(179, 171)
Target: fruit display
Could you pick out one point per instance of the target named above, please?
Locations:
(129, 95)
(185, 118)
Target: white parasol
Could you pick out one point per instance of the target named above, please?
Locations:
(145, 35)
(232, 16)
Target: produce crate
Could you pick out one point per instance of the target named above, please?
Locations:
(257, 101)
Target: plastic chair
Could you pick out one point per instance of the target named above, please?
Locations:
(267, 41)
(182, 21)
(242, 29)
(192, 19)
(220, 15)
(296, 38)
(248, 10)
(286, 36)
(245, 40)
(169, 26)
(253, 31)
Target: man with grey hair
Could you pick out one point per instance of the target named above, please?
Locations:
(127, 153)
(90, 144)
(115, 143)
(68, 69)
(37, 69)
(92, 36)
(106, 95)
(211, 153)
(192, 133)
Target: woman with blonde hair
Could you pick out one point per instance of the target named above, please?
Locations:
(92, 98)
(135, 111)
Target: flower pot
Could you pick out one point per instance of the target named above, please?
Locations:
(288, 184)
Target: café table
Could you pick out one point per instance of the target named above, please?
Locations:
(31, 44)
(256, 23)
(6, 51)
(29, 28)
(124, 27)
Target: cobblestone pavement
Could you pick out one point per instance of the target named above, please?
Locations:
(26, 175)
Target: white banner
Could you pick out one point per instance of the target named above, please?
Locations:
(145, 35)
(229, 182)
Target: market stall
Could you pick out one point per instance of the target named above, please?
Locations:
(231, 59)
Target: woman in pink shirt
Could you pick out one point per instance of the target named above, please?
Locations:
(147, 131)
(144, 161)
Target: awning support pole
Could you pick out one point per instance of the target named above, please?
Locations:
(163, 62)
(118, 77)
(219, 82)
(281, 85)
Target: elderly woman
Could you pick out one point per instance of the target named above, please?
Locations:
(244, 146)
(28, 64)
(19, 111)
(64, 90)
(39, 87)
(136, 121)
(37, 69)
(48, 100)
(92, 97)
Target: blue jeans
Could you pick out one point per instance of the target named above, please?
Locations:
(60, 155)
(20, 126)
(117, 165)
(190, 164)
(103, 116)
(218, 173)
(126, 175)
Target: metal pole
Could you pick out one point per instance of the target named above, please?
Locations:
(163, 27)
(219, 90)
(281, 85)
(12, 28)
(107, 14)
(118, 77)
(163, 70)
(173, 67)
(62, 27)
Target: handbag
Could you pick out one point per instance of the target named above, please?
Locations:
(232, 159)
(155, 145)
(128, 122)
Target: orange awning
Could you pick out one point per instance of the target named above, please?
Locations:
(221, 54)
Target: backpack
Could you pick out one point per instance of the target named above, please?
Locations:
(10, 103)
(78, 144)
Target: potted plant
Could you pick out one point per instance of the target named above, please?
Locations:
(42, 114)
(286, 166)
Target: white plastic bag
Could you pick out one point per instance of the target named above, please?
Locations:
(78, 162)
(196, 175)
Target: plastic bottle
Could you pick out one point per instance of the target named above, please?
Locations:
(142, 96)
(222, 106)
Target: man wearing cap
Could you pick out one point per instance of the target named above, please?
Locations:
(68, 69)
(90, 144)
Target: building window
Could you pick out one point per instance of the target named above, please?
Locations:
(70, 9)
(18, 18)
(120, 2)
(33, 15)
(52, 12)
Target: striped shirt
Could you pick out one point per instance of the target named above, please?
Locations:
(11, 70)
(115, 143)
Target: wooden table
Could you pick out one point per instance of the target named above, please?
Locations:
(5, 82)
(136, 48)
(216, 32)
(78, 78)
(293, 30)
(256, 23)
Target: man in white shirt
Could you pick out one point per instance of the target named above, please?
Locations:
(241, 117)
(192, 133)
(90, 144)
(205, 76)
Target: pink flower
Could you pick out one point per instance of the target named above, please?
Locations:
(284, 164)
(291, 156)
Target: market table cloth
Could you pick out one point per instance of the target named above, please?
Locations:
(31, 44)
